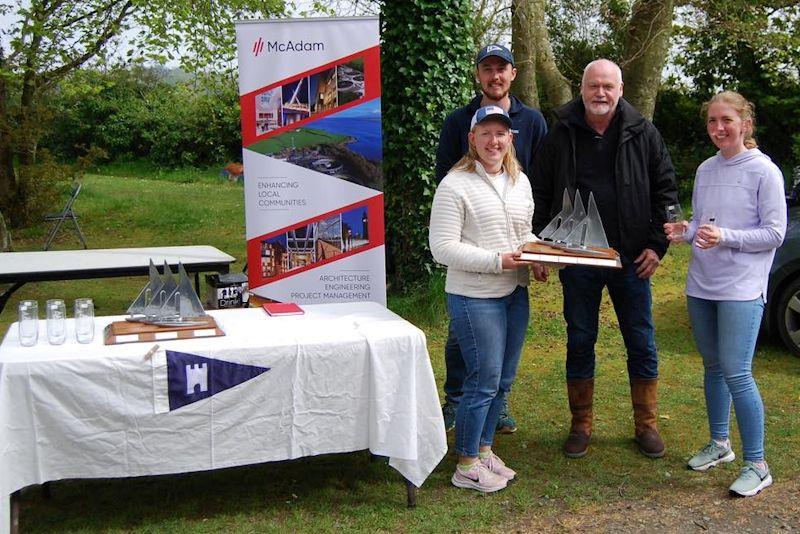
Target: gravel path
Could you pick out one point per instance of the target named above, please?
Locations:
(777, 509)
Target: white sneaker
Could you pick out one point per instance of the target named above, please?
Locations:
(479, 478)
(711, 455)
(752, 480)
(498, 466)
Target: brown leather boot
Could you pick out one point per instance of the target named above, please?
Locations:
(644, 395)
(580, 394)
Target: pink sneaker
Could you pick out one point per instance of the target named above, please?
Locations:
(479, 478)
(494, 464)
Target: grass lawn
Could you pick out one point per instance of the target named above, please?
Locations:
(348, 492)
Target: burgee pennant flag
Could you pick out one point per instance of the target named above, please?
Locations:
(180, 378)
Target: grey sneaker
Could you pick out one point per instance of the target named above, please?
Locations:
(479, 478)
(752, 480)
(711, 455)
(449, 414)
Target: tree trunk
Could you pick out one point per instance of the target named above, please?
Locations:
(28, 122)
(645, 52)
(555, 85)
(5, 236)
(522, 45)
(7, 178)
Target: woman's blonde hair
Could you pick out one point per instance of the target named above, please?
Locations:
(744, 108)
(510, 163)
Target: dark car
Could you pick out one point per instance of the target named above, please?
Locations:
(783, 296)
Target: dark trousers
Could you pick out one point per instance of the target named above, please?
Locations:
(583, 288)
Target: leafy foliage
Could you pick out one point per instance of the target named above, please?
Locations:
(138, 113)
(47, 41)
(584, 30)
(427, 61)
(750, 47)
(43, 186)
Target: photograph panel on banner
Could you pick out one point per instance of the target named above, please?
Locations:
(312, 143)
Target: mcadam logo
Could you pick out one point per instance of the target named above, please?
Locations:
(258, 47)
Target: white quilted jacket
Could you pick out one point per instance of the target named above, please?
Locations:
(471, 224)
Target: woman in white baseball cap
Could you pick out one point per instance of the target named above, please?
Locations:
(481, 215)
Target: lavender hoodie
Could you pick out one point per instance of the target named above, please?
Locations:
(746, 194)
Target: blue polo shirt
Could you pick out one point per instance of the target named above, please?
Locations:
(527, 124)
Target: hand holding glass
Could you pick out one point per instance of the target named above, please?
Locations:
(84, 320)
(674, 227)
(708, 234)
(56, 321)
(28, 323)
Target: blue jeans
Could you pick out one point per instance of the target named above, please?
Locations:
(583, 288)
(455, 370)
(725, 333)
(490, 332)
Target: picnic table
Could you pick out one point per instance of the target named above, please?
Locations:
(20, 268)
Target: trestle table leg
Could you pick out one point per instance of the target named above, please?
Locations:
(411, 494)
(15, 512)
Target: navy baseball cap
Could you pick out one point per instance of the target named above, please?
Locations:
(490, 112)
(495, 50)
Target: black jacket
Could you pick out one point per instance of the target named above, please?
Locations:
(528, 126)
(645, 179)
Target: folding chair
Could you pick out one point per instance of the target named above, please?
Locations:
(66, 213)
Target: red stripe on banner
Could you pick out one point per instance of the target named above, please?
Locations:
(377, 238)
(372, 90)
(372, 73)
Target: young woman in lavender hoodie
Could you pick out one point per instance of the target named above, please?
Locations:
(738, 220)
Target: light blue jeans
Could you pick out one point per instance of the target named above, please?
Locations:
(490, 332)
(725, 333)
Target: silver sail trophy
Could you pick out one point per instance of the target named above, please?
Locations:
(168, 285)
(558, 220)
(166, 302)
(153, 286)
(589, 232)
(577, 215)
(580, 230)
(183, 303)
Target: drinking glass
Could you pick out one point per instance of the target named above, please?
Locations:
(675, 215)
(84, 320)
(56, 321)
(708, 217)
(28, 323)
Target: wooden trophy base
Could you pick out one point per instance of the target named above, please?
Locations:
(542, 252)
(131, 332)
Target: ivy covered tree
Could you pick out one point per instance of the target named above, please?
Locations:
(426, 66)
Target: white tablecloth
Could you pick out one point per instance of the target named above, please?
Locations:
(343, 377)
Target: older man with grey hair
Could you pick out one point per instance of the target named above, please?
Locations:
(602, 145)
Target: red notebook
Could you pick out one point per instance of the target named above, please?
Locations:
(282, 308)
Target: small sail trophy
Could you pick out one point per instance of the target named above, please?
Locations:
(166, 302)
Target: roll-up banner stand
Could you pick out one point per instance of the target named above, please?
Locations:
(310, 93)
